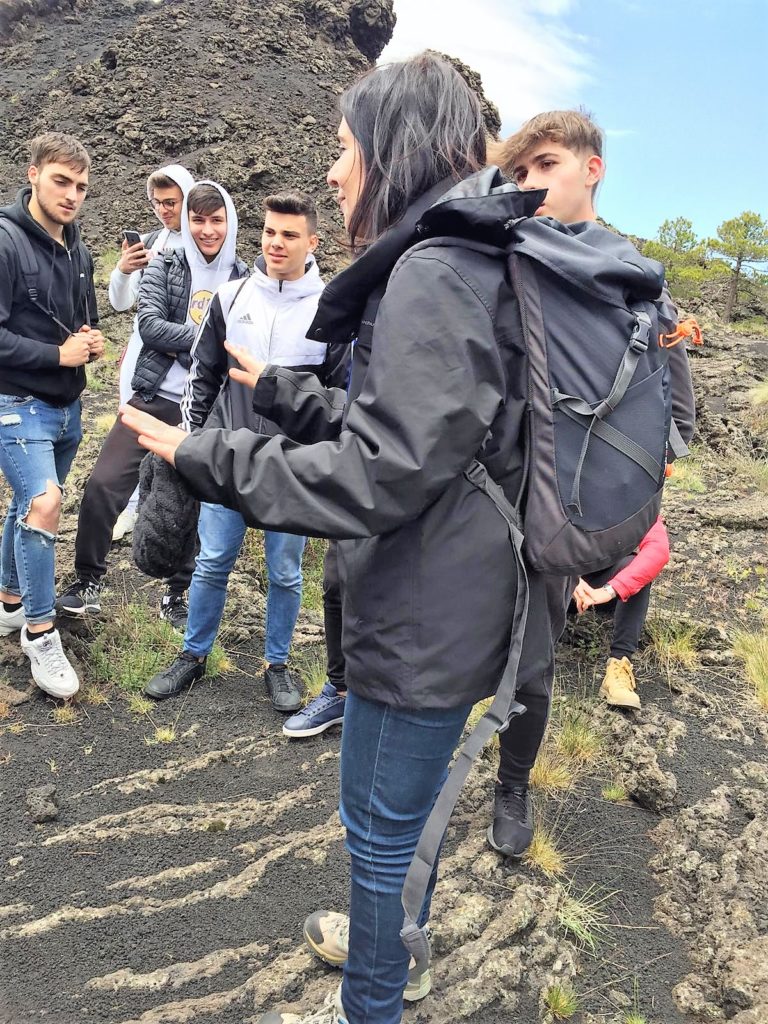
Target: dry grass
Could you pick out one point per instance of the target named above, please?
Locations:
(92, 695)
(551, 772)
(5, 710)
(577, 738)
(750, 471)
(65, 715)
(162, 734)
(635, 1018)
(759, 395)
(544, 854)
(752, 649)
(674, 642)
(561, 1001)
(583, 917)
(104, 423)
(138, 704)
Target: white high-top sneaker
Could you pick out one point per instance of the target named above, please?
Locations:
(51, 669)
(11, 621)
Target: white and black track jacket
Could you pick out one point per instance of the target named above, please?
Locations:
(271, 319)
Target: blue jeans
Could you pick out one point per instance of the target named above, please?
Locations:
(393, 765)
(38, 442)
(221, 532)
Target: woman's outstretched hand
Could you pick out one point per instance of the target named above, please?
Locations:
(154, 435)
(252, 369)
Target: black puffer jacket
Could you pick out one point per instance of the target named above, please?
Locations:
(162, 313)
(429, 582)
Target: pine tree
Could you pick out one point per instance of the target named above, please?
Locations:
(743, 241)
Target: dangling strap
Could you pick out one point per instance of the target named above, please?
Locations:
(496, 719)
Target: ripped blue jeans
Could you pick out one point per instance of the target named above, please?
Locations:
(38, 442)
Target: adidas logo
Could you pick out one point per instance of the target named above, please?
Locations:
(245, 319)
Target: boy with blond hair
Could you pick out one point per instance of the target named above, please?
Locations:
(560, 151)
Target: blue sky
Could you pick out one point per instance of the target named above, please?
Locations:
(679, 86)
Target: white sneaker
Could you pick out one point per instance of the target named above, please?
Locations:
(11, 621)
(125, 524)
(51, 669)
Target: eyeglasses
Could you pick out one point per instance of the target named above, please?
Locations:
(167, 204)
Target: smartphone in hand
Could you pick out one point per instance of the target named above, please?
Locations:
(132, 237)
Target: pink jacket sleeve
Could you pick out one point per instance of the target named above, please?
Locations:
(652, 555)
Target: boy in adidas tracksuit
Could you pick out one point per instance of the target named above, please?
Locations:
(560, 151)
(47, 335)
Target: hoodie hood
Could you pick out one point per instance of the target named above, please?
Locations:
(224, 260)
(310, 283)
(181, 176)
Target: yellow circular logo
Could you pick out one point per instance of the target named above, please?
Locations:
(198, 305)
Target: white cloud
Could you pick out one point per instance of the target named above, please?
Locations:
(528, 58)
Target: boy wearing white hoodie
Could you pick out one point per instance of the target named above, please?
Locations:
(166, 188)
(173, 296)
(269, 314)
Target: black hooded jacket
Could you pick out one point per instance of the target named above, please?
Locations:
(438, 373)
(29, 339)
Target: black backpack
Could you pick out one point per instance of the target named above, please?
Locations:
(30, 270)
(598, 426)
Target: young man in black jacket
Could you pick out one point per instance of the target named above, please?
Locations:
(48, 333)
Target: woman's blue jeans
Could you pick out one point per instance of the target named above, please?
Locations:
(221, 531)
(38, 442)
(393, 765)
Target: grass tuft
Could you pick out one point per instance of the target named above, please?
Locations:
(65, 715)
(5, 710)
(635, 1018)
(104, 423)
(582, 917)
(314, 673)
(561, 1001)
(687, 476)
(752, 649)
(93, 695)
(750, 471)
(759, 395)
(615, 792)
(544, 854)
(551, 772)
(578, 739)
(675, 642)
(138, 704)
(135, 644)
(162, 734)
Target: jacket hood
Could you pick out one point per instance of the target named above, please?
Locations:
(18, 212)
(310, 283)
(178, 174)
(224, 260)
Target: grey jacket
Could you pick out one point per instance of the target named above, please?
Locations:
(162, 314)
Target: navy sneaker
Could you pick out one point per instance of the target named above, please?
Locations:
(323, 711)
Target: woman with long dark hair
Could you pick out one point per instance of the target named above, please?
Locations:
(429, 581)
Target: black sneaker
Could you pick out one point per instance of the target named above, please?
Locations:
(284, 692)
(172, 680)
(82, 598)
(174, 609)
(512, 829)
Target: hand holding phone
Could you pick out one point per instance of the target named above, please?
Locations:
(134, 256)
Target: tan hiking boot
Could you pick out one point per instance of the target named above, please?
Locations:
(327, 935)
(619, 684)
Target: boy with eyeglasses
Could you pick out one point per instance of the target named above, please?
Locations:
(166, 189)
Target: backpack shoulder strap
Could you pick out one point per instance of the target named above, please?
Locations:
(503, 708)
(26, 255)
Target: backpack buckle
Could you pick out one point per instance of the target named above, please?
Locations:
(641, 335)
